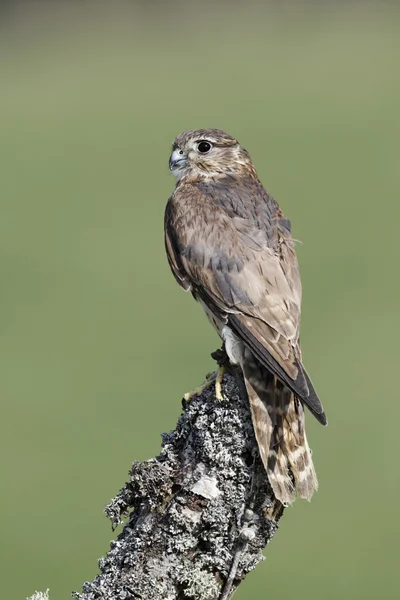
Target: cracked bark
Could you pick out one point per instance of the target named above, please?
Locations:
(198, 516)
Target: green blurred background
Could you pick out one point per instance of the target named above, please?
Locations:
(98, 343)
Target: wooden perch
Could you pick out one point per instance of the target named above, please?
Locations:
(198, 515)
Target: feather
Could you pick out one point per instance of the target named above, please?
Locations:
(278, 421)
(228, 241)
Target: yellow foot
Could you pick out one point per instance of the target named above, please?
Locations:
(213, 379)
(218, 383)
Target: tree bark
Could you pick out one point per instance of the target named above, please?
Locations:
(198, 515)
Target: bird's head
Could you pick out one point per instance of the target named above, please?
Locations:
(208, 154)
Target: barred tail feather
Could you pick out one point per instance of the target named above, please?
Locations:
(278, 420)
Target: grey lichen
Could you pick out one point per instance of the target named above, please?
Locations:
(198, 516)
(39, 596)
(201, 585)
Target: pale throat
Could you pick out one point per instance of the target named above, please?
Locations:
(197, 173)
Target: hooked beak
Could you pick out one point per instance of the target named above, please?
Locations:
(177, 160)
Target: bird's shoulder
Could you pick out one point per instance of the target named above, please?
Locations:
(243, 196)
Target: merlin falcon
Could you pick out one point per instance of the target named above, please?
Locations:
(229, 244)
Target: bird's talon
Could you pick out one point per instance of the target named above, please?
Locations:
(209, 381)
(212, 379)
(219, 395)
(218, 384)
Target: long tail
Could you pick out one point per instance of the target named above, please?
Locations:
(278, 421)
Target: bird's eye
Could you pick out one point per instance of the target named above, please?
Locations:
(180, 152)
(204, 147)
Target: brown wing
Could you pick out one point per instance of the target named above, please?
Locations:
(232, 261)
(173, 257)
(231, 245)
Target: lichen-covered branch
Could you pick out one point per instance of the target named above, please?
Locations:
(198, 515)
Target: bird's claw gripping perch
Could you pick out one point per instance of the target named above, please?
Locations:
(213, 379)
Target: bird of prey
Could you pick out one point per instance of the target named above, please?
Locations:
(229, 244)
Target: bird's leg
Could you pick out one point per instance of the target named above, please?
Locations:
(218, 382)
(213, 379)
(207, 383)
(222, 359)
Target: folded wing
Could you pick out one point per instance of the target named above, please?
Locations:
(246, 271)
